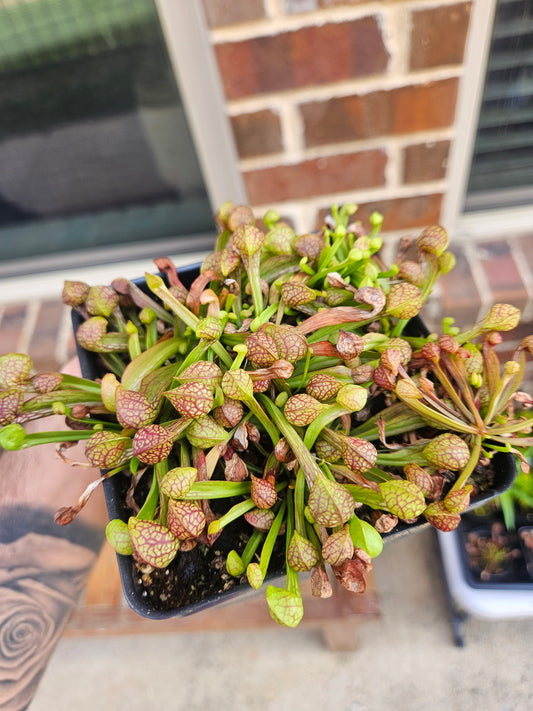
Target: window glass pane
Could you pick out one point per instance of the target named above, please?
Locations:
(502, 163)
(94, 144)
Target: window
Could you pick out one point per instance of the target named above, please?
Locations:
(490, 172)
(501, 173)
(97, 160)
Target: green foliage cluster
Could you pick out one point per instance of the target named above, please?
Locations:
(283, 381)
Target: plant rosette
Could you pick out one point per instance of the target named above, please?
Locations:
(274, 410)
(495, 557)
(495, 540)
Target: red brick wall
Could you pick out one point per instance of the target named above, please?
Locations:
(342, 100)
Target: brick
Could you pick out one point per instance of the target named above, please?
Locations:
(236, 69)
(523, 330)
(305, 57)
(423, 162)
(459, 296)
(228, 12)
(502, 273)
(294, 7)
(405, 110)
(257, 133)
(11, 326)
(525, 242)
(505, 351)
(338, 3)
(339, 173)
(438, 35)
(70, 349)
(44, 338)
(399, 213)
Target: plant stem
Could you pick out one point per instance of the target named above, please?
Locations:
(82, 384)
(270, 540)
(151, 333)
(160, 469)
(508, 428)
(366, 496)
(375, 474)
(147, 361)
(251, 547)
(398, 418)
(299, 502)
(444, 421)
(36, 438)
(318, 364)
(302, 454)
(149, 507)
(263, 317)
(251, 264)
(324, 418)
(398, 327)
(500, 397)
(402, 456)
(292, 583)
(114, 363)
(194, 356)
(157, 285)
(475, 452)
(217, 490)
(452, 394)
(134, 344)
(236, 511)
(66, 397)
(305, 372)
(260, 415)
(457, 369)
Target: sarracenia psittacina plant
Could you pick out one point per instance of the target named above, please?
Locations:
(278, 395)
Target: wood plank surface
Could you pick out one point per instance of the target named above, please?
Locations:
(104, 611)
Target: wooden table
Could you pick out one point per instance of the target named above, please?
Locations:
(104, 611)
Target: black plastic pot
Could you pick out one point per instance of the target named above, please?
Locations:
(506, 596)
(525, 535)
(115, 488)
(476, 590)
(516, 575)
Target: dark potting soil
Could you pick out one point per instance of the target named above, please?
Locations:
(199, 574)
(193, 576)
(491, 553)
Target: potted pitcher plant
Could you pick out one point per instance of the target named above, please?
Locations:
(279, 409)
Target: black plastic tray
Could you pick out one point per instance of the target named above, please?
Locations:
(91, 368)
(516, 576)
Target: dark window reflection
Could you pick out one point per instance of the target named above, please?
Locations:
(94, 145)
(502, 163)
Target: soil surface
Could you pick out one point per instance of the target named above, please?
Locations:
(492, 554)
(193, 576)
(200, 574)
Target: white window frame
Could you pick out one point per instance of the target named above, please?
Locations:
(194, 64)
(481, 223)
